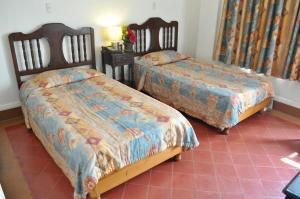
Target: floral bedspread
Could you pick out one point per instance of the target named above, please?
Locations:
(94, 125)
(212, 92)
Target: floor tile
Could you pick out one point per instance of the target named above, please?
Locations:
(260, 160)
(206, 195)
(252, 187)
(44, 184)
(183, 181)
(135, 191)
(241, 159)
(229, 185)
(244, 171)
(222, 157)
(267, 173)
(165, 167)
(225, 170)
(286, 174)
(206, 183)
(183, 194)
(142, 179)
(158, 193)
(278, 163)
(254, 148)
(204, 168)
(187, 155)
(33, 164)
(238, 148)
(272, 188)
(63, 190)
(183, 166)
(219, 146)
(246, 164)
(232, 196)
(160, 179)
(202, 156)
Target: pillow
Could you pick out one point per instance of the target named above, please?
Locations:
(54, 78)
(162, 57)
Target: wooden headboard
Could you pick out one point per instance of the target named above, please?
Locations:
(163, 36)
(30, 58)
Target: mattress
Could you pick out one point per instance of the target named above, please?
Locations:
(92, 125)
(212, 92)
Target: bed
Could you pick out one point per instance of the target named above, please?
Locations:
(218, 94)
(100, 132)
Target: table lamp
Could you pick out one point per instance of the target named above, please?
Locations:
(113, 35)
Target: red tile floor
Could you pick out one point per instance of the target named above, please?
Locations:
(254, 161)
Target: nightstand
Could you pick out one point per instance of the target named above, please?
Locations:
(115, 59)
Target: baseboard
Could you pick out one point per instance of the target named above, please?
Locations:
(10, 113)
(291, 110)
(10, 105)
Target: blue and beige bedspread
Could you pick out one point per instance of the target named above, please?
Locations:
(92, 125)
(214, 93)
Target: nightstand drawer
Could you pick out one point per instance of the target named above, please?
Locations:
(121, 59)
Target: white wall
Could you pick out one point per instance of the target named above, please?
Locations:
(190, 28)
(287, 92)
(198, 26)
(25, 16)
(207, 28)
(201, 19)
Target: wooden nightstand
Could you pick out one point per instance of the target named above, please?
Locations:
(115, 59)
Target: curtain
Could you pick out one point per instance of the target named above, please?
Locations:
(293, 60)
(262, 35)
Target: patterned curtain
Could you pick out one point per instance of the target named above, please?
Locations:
(292, 69)
(262, 35)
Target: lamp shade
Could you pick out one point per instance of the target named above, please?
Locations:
(112, 34)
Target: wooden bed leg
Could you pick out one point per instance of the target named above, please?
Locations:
(89, 197)
(93, 197)
(225, 131)
(262, 111)
(177, 157)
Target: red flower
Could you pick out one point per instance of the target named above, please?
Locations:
(131, 35)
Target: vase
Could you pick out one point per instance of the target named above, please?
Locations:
(128, 46)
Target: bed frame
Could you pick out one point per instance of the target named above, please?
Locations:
(168, 40)
(30, 51)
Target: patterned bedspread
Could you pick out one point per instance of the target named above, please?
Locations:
(212, 92)
(94, 125)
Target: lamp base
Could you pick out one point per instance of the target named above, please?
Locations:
(116, 46)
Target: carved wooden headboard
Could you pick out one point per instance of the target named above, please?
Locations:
(163, 36)
(30, 54)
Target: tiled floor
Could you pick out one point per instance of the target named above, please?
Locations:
(246, 164)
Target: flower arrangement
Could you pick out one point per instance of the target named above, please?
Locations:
(128, 37)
